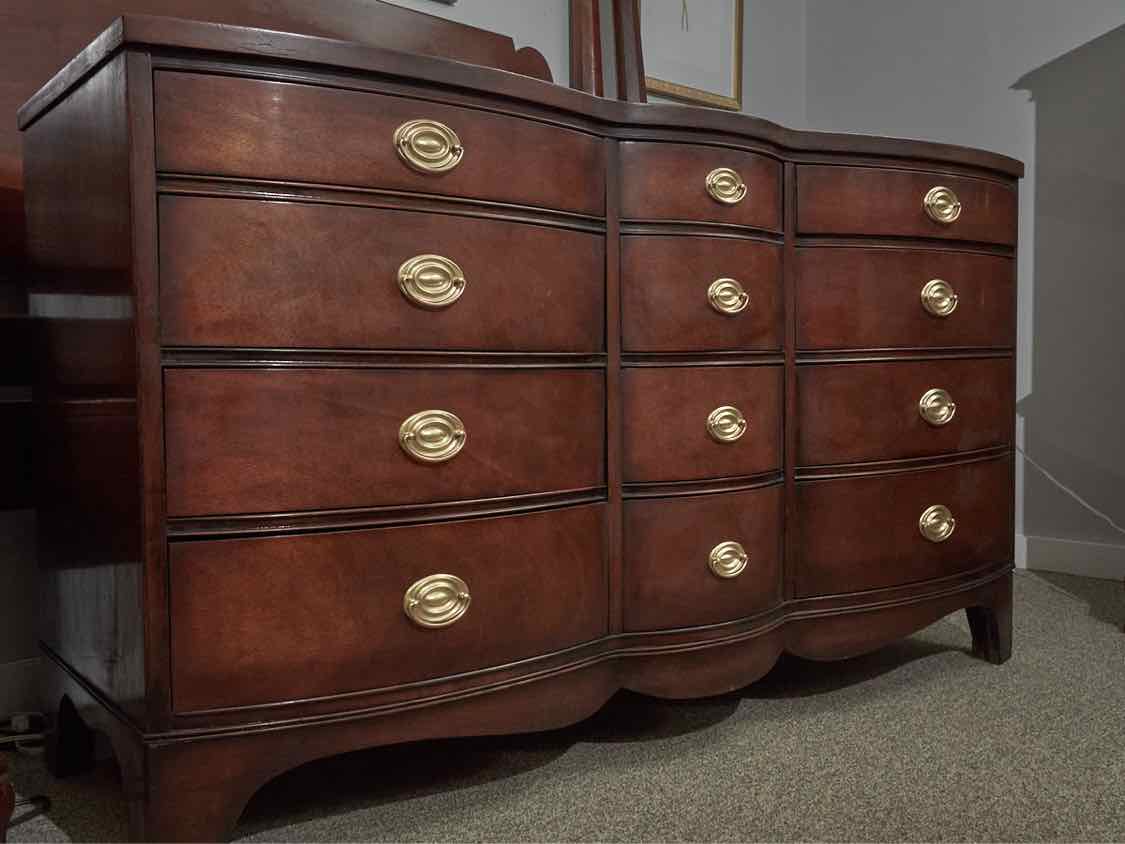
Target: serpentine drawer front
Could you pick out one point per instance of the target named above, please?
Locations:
(864, 533)
(870, 200)
(429, 400)
(237, 439)
(681, 294)
(309, 616)
(278, 130)
(884, 298)
(232, 275)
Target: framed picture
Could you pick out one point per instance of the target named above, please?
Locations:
(693, 51)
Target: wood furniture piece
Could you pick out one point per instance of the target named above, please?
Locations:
(389, 398)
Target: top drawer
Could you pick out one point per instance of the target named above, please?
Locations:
(874, 201)
(250, 128)
(661, 181)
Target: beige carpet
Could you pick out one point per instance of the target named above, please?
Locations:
(916, 742)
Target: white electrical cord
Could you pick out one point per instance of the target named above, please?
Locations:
(1107, 519)
(18, 727)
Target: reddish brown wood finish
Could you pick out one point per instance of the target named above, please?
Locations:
(862, 533)
(666, 412)
(278, 130)
(664, 294)
(260, 441)
(850, 413)
(669, 182)
(306, 436)
(630, 63)
(870, 298)
(309, 616)
(667, 579)
(877, 201)
(233, 274)
(586, 46)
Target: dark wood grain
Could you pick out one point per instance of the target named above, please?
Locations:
(669, 182)
(537, 584)
(666, 413)
(586, 47)
(589, 482)
(865, 298)
(848, 413)
(86, 429)
(664, 294)
(667, 542)
(630, 63)
(277, 130)
(862, 533)
(873, 200)
(261, 441)
(232, 274)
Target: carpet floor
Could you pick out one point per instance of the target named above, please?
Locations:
(918, 741)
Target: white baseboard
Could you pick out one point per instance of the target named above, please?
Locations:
(19, 686)
(1071, 556)
(1021, 551)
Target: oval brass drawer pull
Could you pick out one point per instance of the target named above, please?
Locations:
(937, 523)
(942, 205)
(937, 407)
(437, 600)
(938, 298)
(727, 296)
(431, 281)
(726, 186)
(428, 146)
(726, 424)
(432, 436)
(728, 559)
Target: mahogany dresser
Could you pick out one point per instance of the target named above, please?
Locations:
(387, 398)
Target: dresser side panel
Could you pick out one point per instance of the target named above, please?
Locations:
(77, 171)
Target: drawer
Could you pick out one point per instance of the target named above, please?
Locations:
(701, 559)
(232, 274)
(854, 298)
(874, 201)
(864, 532)
(683, 423)
(662, 181)
(849, 413)
(699, 294)
(254, 441)
(252, 128)
(303, 617)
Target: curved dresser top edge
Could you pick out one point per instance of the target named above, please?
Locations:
(249, 42)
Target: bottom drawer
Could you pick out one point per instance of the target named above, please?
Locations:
(866, 532)
(682, 568)
(288, 618)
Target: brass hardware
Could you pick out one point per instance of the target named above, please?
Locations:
(937, 407)
(937, 523)
(428, 146)
(727, 296)
(437, 600)
(726, 186)
(942, 205)
(728, 559)
(432, 436)
(726, 424)
(431, 281)
(938, 298)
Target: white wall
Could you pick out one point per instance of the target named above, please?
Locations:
(774, 61)
(542, 24)
(951, 72)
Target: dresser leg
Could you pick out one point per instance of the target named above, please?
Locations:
(70, 743)
(991, 624)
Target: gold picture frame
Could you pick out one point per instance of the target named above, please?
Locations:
(689, 94)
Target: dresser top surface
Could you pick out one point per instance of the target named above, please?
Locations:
(164, 35)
